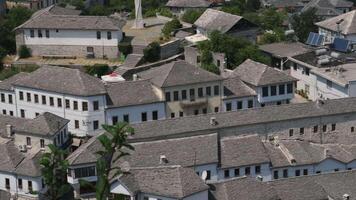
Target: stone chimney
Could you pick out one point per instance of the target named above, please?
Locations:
(9, 130)
(163, 159)
(134, 77)
(213, 121)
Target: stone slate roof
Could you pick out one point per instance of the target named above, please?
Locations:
(129, 93)
(347, 26)
(189, 3)
(258, 74)
(187, 152)
(63, 80)
(5, 195)
(194, 124)
(242, 151)
(235, 88)
(285, 3)
(171, 182)
(285, 49)
(86, 153)
(60, 19)
(316, 187)
(212, 20)
(30, 165)
(8, 83)
(328, 7)
(178, 73)
(45, 124)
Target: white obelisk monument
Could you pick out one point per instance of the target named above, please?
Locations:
(138, 23)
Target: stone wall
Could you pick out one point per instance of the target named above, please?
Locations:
(78, 51)
(170, 49)
(19, 37)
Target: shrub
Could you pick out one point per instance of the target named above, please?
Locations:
(24, 52)
(191, 15)
(165, 12)
(152, 52)
(171, 26)
(97, 69)
(125, 48)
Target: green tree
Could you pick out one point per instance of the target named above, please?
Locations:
(272, 18)
(191, 15)
(2, 56)
(152, 52)
(97, 69)
(113, 144)
(97, 10)
(207, 62)
(235, 10)
(252, 5)
(304, 23)
(54, 172)
(24, 52)
(171, 26)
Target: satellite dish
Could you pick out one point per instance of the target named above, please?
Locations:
(204, 175)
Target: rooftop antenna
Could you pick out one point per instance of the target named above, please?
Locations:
(138, 23)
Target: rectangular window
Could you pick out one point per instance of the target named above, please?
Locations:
(51, 101)
(36, 98)
(168, 96)
(237, 172)
(200, 92)
(295, 66)
(95, 105)
(10, 99)
(67, 103)
(98, 35)
(329, 84)
(28, 96)
(289, 88)
(192, 94)
(173, 115)
(11, 113)
(250, 103)
(247, 170)
(324, 128)
(109, 35)
(175, 95)
(281, 89)
(208, 175)
(301, 131)
(114, 120)
(297, 172)
(273, 90)
(21, 95)
(196, 112)
(285, 173)
(44, 102)
(208, 91)
(47, 33)
(257, 169)
(291, 132)
(216, 90)
(205, 110)
(352, 129)
(275, 174)
(42, 143)
(126, 118)
(181, 114)
(307, 71)
(239, 105)
(95, 125)
(84, 172)
(228, 106)
(315, 129)
(39, 33)
(216, 109)
(19, 182)
(30, 189)
(85, 106)
(227, 173)
(4, 112)
(154, 115)
(76, 124)
(144, 116)
(32, 33)
(7, 183)
(75, 105)
(28, 141)
(265, 91)
(184, 94)
(22, 113)
(333, 127)
(2, 97)
(59, 102)
(305, 172)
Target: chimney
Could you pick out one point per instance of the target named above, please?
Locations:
(346, 197)
(163, 159)
(213, 121)
(9, 130)
(327, 153)
(134, 77)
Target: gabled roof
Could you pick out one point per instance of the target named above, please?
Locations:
(328, 7)
(258, 74)
(235, 88)
(285, 49)
(221, 21)
(347, 23)
(189, 3)
(63, 80)
(11, 157)
(172, 181)
(178, 73)
(128, 93)
(30, 166)
(8, 83)
(55, 17)
(86, 153)
(242, 151)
